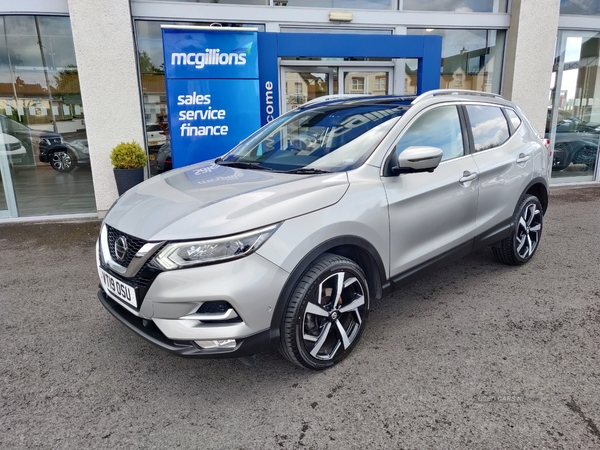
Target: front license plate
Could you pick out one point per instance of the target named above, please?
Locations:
(153, 143)
(118, 289)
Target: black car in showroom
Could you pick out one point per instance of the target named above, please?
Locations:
(62, 156)
(575, 142)
(65, 156)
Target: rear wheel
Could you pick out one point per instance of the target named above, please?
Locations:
(523, 241)
(326, 314)
(63, 161)
(587, 155)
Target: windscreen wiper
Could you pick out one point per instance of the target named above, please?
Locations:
(242, 165)
(307, 170)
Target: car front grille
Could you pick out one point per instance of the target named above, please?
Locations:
(133, 245)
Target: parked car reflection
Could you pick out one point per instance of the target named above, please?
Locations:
(575, 142)
(164, 161)
(72, 154)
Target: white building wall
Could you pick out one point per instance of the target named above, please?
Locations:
(529, 57)
(106, 61)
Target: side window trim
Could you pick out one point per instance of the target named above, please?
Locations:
(511, 127)
(468, 141)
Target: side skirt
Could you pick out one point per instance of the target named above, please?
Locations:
(487, 238)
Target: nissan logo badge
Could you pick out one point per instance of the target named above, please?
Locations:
(121, 248)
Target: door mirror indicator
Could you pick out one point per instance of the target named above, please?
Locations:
(418, 159)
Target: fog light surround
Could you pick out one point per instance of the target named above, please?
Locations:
(217, 343)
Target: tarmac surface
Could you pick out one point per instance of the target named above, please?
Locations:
(480, 356)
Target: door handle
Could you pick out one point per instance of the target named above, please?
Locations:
(523, 158)
(467, 177)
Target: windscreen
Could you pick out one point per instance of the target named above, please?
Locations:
(328, 138)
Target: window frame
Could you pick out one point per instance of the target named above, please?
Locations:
(389, 160)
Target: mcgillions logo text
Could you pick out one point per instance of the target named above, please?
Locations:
(212, 57)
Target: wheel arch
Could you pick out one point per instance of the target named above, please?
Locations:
(539, 188)
(355, 248)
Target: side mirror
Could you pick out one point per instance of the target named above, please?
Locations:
(418, 159)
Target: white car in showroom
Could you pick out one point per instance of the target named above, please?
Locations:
(12, 147)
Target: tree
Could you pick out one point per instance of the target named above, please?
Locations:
(146, 65)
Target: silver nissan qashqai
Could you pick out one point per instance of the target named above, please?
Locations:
(286, 240)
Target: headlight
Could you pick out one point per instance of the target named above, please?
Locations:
(185, 254)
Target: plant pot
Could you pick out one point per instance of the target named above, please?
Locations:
(128, 178)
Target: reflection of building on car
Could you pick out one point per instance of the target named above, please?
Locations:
(575, 141)
(156, 135)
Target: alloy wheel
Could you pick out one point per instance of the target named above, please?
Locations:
(62, 161)
(528, 231)
(333, 318)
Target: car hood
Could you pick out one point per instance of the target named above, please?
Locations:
(207, 200)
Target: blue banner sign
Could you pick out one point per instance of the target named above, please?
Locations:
(212, 90)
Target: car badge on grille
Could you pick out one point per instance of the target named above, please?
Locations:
(121, 248)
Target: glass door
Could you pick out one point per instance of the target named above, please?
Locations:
(573, 124)
(302, 84)
(8, 205)
(365, 81)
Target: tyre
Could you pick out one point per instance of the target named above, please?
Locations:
(587, 155)
(63, 161)
(326, 313)
(523, 241)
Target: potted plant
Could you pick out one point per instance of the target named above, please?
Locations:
(128, 159)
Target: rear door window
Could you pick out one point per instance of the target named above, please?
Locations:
(488, 126)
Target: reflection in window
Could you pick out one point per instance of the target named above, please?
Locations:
(354, 4)
(358, 84)
(230, 2)
(580, 7)
(488, 125)
(42, 117)
(460, 6)
(471, 59)
(514, 119)
(439, 127)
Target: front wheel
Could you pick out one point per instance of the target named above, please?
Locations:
(326, 314)
(523, 241)
(63, 161)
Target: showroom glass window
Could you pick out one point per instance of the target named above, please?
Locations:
(459, 6)
(41, 107)
(471, 59)
(573, 120)
(353, 4)
(579, 7)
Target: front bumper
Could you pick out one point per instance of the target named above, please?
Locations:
(169, 312)
(187, 349)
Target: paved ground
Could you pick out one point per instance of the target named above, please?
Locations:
(480, 356)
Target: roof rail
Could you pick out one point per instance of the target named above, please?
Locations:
(327, 98)
(436, 92)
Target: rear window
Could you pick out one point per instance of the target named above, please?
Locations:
(488, 125)
(153, 128)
